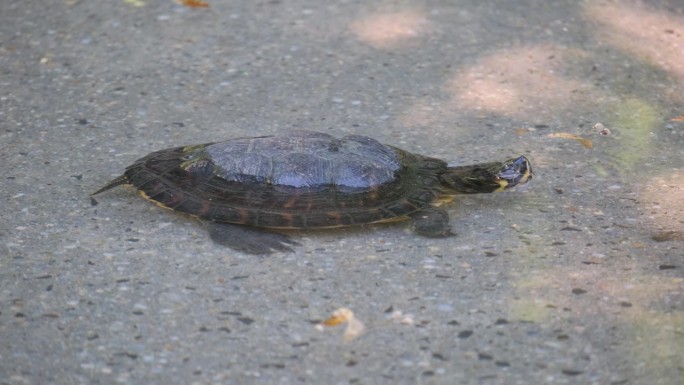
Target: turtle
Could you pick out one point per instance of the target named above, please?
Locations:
(247, 189)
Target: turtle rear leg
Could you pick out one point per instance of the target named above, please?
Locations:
(249, 239)
(431, 222)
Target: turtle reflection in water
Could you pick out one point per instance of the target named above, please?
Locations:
(247, 187)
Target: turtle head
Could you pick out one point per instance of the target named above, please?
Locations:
(487, 177)
(513, 172)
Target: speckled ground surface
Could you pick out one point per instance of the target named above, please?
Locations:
(577, 279)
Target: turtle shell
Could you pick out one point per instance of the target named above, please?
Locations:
(295, 180)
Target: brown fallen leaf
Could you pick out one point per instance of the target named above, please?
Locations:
(565, 135)
(195, 3)
(664, 236)
(679, 118)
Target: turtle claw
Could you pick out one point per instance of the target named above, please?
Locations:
(250, 239)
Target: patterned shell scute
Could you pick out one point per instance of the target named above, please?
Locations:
(306, 160)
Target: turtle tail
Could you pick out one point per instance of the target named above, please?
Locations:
(116, 182)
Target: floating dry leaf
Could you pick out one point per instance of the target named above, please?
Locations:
(565, 135)
(354, 327)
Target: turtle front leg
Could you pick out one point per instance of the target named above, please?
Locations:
(431, 222)
(251, 240)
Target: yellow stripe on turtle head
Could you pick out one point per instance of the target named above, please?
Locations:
(503, 184)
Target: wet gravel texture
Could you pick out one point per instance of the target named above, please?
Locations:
(576, 279)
